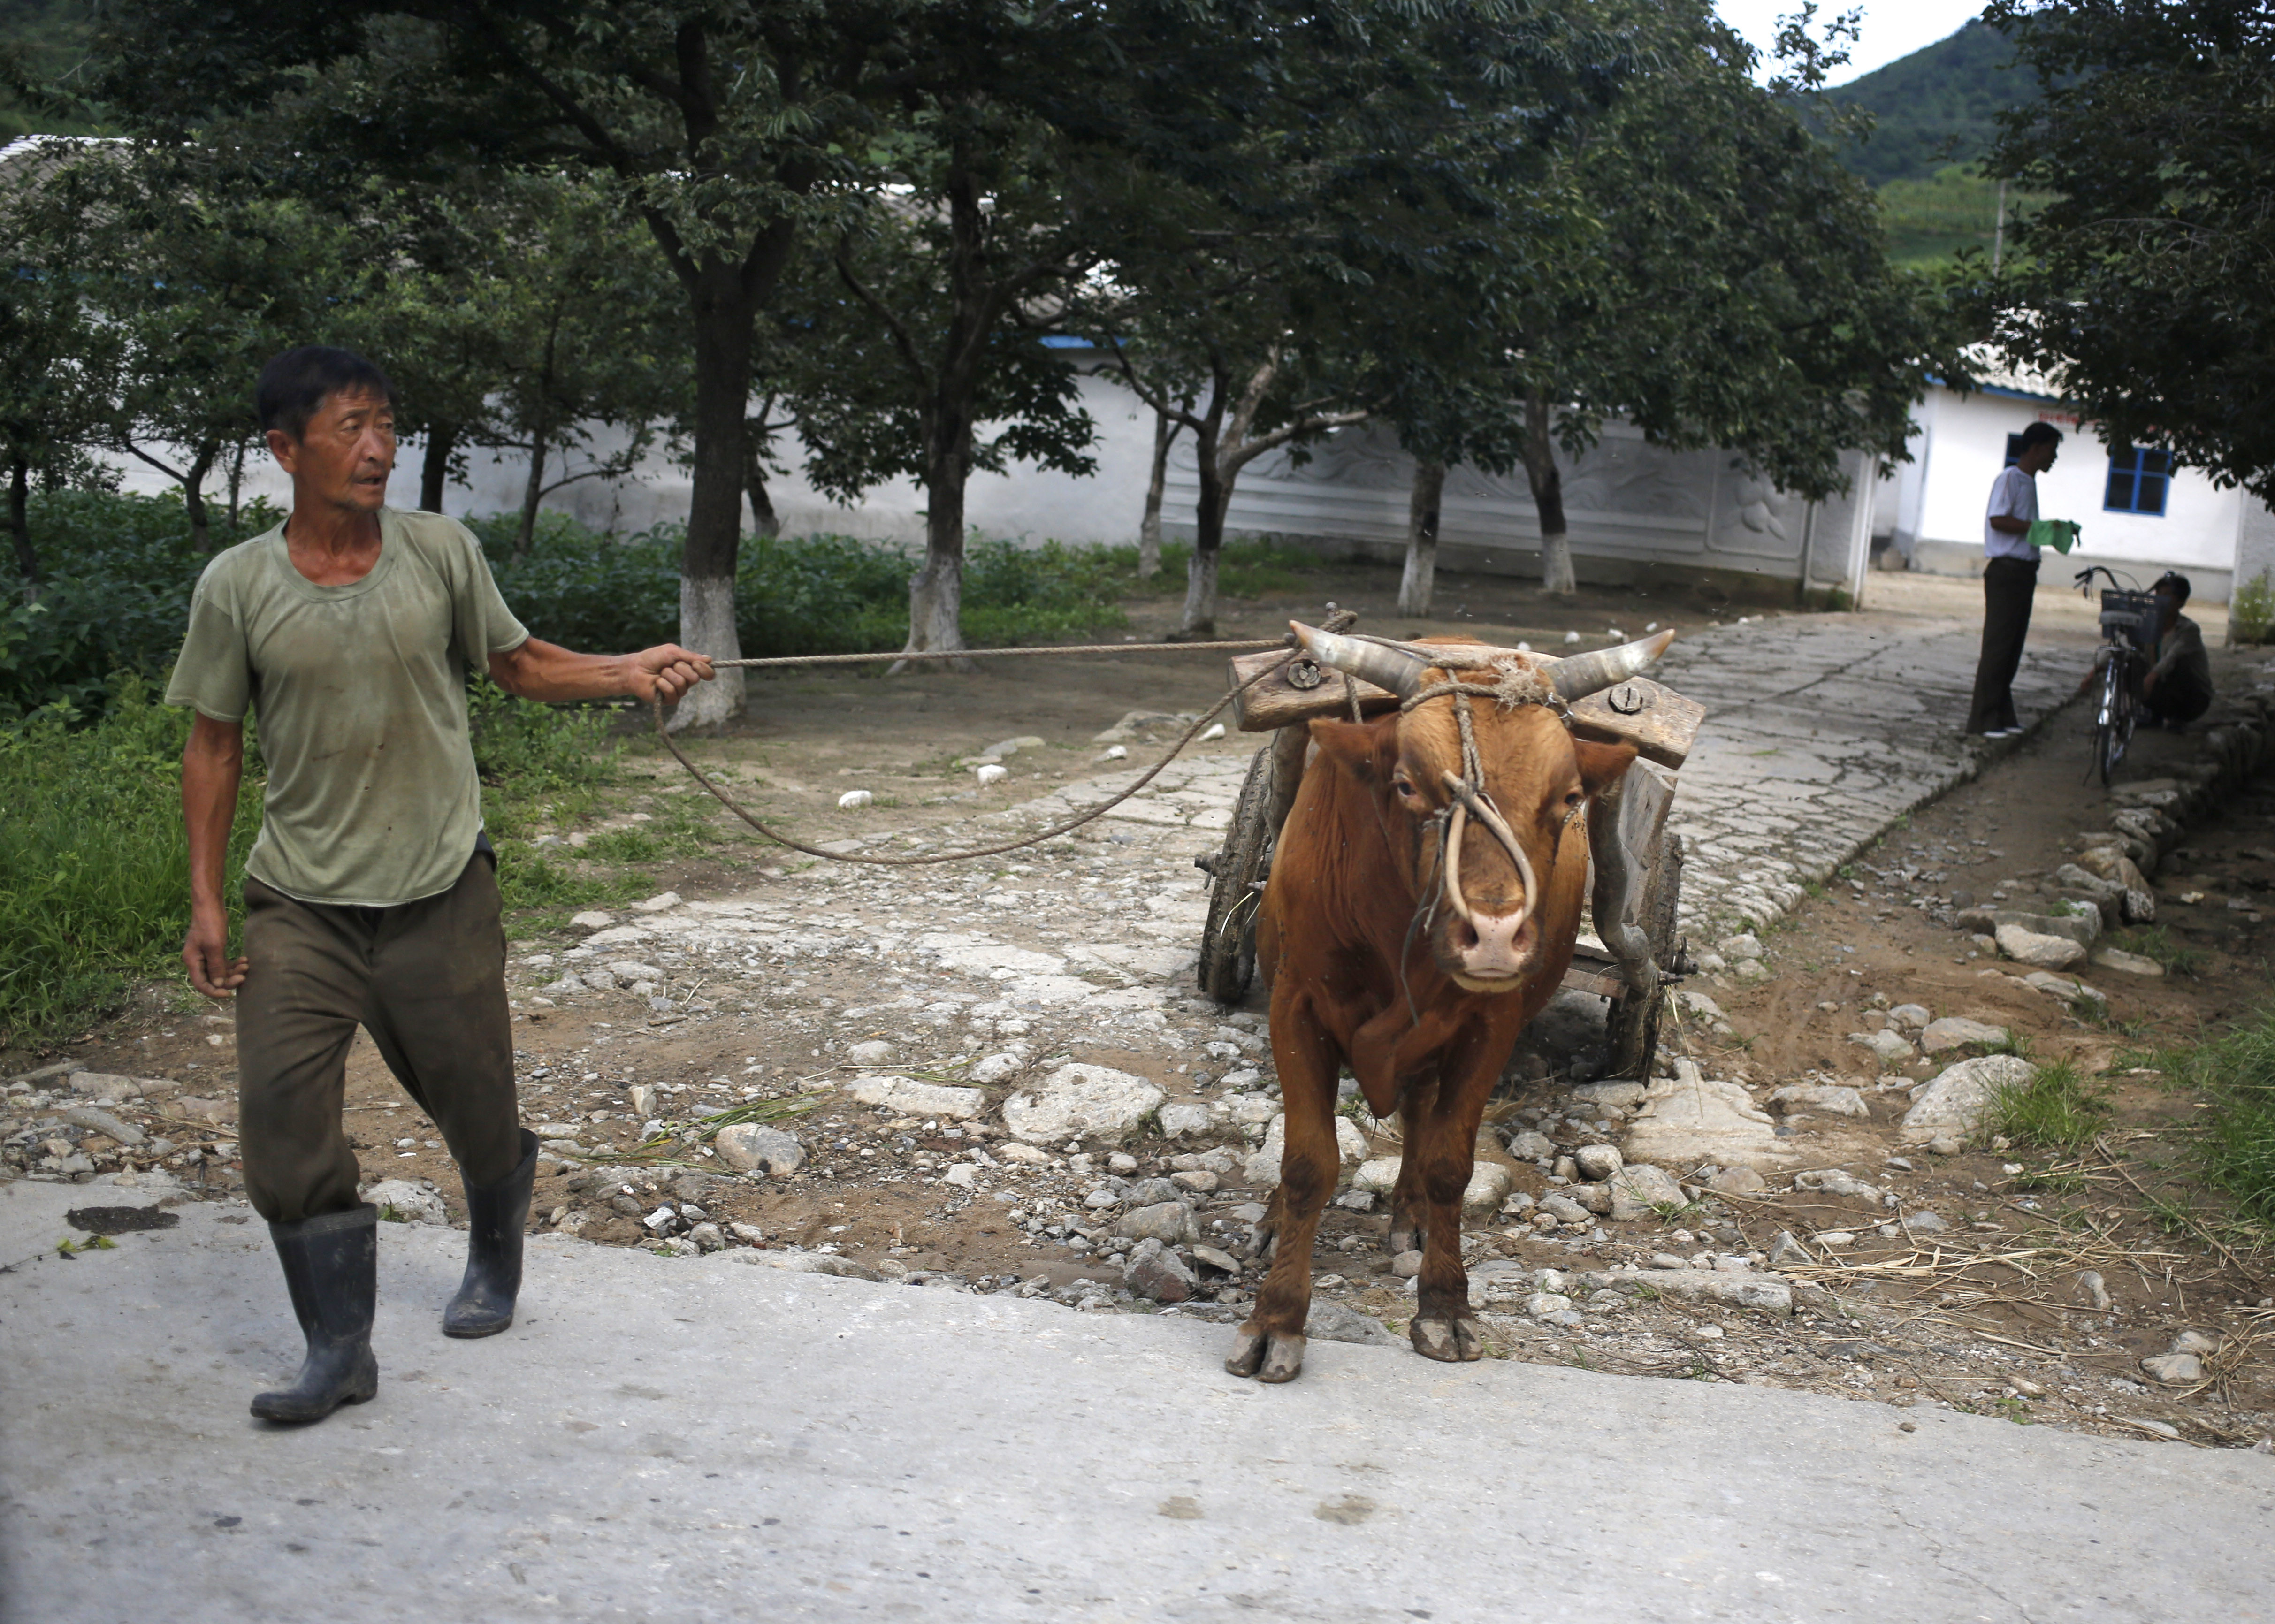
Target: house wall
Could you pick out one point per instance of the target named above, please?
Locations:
(1960, 448)
(1633, 511)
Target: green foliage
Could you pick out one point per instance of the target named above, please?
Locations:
(94, 869)
(2054, 1110)
(793, 594)
(1930, 220)
(1937, 107)
(119, 572)
(2147, 283)
(2154, 941)
(2251, 611)
(2235, 1075)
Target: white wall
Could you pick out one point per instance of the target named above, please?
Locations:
(1962, 447)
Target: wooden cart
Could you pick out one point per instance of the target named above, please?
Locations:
(1636, 864)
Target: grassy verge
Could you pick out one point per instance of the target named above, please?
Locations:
(2233, 1076)
(94, 868)
(2053, 1111)
(2154, 941)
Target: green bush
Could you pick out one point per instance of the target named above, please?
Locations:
(821, 594)
(2234, 1077)
(2251, 613)
(119, 572)
(94, 868)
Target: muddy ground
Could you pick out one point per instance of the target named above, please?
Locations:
(1987, 1313)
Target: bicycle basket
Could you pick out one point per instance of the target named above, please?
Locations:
(2133, 613)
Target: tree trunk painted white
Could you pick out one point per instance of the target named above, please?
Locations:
(707, 624)
(1199, 618)
(1416, 585)
(1548, 483)
(1149, 529)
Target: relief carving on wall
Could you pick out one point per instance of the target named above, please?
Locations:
(1752, 516)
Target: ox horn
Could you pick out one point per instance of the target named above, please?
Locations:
(1390, 668)
(1579, 676)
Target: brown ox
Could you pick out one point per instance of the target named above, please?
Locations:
(1421, 909)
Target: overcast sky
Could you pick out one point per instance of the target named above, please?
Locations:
(1892, 28)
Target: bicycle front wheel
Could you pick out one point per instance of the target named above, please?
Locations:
(2112, 730)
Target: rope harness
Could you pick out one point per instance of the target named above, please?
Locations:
(1099, 810)
(1514, 684)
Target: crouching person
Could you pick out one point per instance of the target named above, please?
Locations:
(371, 895)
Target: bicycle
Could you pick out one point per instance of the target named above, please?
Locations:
(2128, 631)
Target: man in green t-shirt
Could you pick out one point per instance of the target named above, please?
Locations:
(371, 895)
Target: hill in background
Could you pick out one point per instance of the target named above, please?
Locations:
(42, 41)
(1936, 107)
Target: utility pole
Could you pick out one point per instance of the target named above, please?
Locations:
(1998, 232)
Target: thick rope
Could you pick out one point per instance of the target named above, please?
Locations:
(781, 839)
(1006, 653)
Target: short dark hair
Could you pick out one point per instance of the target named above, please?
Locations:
(2039, 434)
(2174, 583)
(294, 386)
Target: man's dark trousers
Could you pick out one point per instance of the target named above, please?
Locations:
(426, 979)
(2009, 587)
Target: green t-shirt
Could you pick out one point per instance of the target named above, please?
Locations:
(361, 692)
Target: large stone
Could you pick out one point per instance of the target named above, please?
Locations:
(1264, 1166)
(2046, 952)
(1489, 1186)
(1380, 1176)
(1608, 1096)
(1829, 1097)
(103, 1085)
(1157, 1273)
(1730, 1288)
(1331, 1321)
(1953, 1032)
(1892, 1047)
(401, 1201)
(1169, 1222)
(2070, 927)
(1953, 1103)
(753, 1147)
(1642, 1191)
(1686, 1119)
(1181, 1117)
(911, 1098)
(2126, 963)
(1598, 1161)
(1528, 1144)
(1911, 1017)
(1082, 1101)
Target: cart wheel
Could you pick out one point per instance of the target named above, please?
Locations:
(1239, 867)
(1631, 1027)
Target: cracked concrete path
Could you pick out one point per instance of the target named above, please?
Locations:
(696, 1439)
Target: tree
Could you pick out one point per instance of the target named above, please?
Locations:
(1279, 295)
(2145, 286)
(718, 124)
(1735, 292)
(58, 360)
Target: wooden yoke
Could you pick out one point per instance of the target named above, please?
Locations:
(1659, 723)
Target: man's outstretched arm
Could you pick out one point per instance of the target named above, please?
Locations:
(213, 764)
(538, 671)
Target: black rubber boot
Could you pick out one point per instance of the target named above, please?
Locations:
(495, 1215)
(331, 1267)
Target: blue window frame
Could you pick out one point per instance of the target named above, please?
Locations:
(2014, 450)
(2138, 480)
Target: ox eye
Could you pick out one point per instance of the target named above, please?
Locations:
(1403, 785)
(1573, 800)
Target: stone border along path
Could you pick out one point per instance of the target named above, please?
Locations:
(705, 1439)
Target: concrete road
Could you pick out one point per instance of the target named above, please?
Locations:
(679, 1441)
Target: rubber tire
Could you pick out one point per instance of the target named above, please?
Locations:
(2113, 736)
(1228, 939)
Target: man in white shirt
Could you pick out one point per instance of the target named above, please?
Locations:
(2010, 582)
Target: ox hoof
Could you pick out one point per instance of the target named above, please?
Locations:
(1265, 1355)
(1457, 1341)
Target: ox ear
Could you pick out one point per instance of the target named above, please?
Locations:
(1602, 765)
(1357, 747)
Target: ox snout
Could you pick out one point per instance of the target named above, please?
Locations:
(1493, 947)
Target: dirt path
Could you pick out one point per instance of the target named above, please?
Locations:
(749, 984)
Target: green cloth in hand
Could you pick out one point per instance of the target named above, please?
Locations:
(2058, 534)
